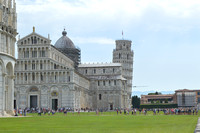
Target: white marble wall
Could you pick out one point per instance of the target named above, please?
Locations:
(1, 87)
(6, 84)
(105, 80)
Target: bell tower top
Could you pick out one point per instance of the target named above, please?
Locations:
(123, 45)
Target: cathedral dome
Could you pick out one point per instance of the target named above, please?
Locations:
(64, 42)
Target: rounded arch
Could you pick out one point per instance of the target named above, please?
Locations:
(54, 88)
(9, 69)
(9, 87)
(33, 89)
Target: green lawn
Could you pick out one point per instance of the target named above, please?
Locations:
(106, 123)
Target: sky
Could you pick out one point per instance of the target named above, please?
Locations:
(164, 34)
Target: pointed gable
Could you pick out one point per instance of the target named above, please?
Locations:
(32, 39)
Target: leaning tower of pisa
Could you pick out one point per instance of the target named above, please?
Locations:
(124, 54)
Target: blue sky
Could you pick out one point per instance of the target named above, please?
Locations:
(164, 34)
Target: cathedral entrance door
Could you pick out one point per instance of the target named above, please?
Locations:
(111, 106)
(15, 104)
(33, 101)
(54, 104)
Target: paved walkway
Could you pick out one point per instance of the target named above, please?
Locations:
(10, 116)
(197, 130)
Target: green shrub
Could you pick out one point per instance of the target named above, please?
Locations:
(150, 106)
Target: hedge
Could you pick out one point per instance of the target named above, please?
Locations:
(150, 106)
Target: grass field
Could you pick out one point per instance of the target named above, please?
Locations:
(107, 122)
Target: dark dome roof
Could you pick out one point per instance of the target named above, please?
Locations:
(64, 42)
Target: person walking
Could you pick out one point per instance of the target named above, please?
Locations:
(25, 112)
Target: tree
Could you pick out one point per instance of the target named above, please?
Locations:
(157, 101)
(166, 100)
(135, 101)
(152, 101)
(156, 93)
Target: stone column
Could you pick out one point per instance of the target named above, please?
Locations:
(39, 77)
(29, 52)
(46, 77)
(31, 80)
(2, 98)
(23, 78)
(49, 77)
(28, 78)
(1, 44)
(16, 79)
(37, 52)
(54, 80)
(59, 77)
(30, 68)
(11, 95)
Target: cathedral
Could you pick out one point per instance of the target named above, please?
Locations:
(52, 76)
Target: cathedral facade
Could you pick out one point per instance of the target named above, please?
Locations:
(46, 77)
(8, 32)
(51, 76)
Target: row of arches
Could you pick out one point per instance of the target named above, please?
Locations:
(7, 44)
(6, 87)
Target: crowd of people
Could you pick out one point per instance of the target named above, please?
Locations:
(167, 111)
(134, 111)
(40, 111)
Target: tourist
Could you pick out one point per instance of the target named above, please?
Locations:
(78, 111)
(49, 112)
(97, 112)
(39, 112)
(140, 111)
(135, 111)
(124, 111)
(25, 112)
(101, 111)
(65, 112)
(44, 111)
(20, 111)
(154, 111)
(15, 112)
(53, 112)
(145, 111)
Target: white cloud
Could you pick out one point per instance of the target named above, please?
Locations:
(109, 7)
(95, 40)
(84, 13)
